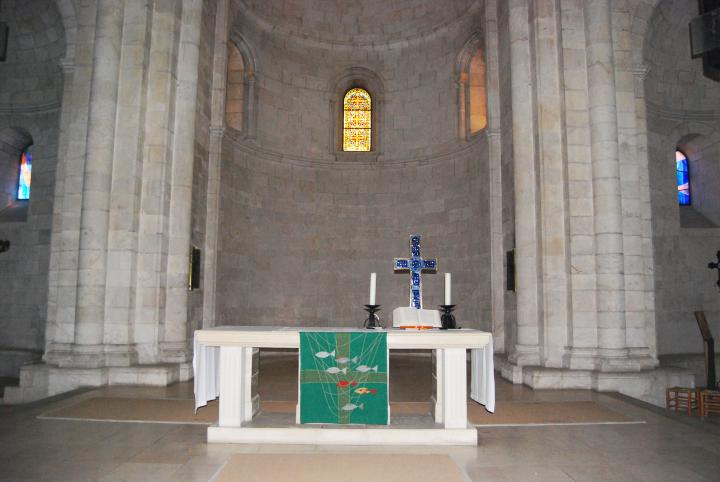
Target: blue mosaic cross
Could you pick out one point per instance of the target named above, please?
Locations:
(415, 264)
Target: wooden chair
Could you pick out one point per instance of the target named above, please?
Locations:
(681, 398)
(709, 402)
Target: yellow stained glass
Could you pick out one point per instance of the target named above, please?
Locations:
(357, 119)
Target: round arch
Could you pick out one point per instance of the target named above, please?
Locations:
(69, 19)
(470, 72)
(370, 81)
(247, 96)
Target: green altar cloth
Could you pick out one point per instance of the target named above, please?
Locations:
(344, 377)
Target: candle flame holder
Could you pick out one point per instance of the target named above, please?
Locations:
(373, 320)
(447, 319)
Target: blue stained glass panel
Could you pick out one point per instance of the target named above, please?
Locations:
(23, 192)
(683, 178)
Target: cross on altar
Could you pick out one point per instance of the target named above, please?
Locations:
(415, 264)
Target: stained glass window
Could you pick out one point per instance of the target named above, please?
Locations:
(478, 97)
(23, 192)
(683, 178)
(357, 113)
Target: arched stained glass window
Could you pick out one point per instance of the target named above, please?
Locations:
(357, 115)
(683, 178)
(24, 178)
(478, 96)
(235, 90)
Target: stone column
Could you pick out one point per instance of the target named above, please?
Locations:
(127, 170)
(217, 117)
(77, 82)
(54, 332)
(92, 261)
(497, 251)
(173, 346)
(251, 117)
(606, 183)
(552, 156)
(149, 310)
(527, 254)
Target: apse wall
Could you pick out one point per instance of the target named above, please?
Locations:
(298, 242)
(302, 225)
(682, 112)
(298, 74)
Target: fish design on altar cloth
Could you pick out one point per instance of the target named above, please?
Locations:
(324, 354)
(365, 391)
(365, 368)
(343, 360)
(345, 383)
(349, 407)
(334, 370)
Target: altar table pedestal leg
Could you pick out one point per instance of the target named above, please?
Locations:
(437, 397)
(235, 386)
(454, 388)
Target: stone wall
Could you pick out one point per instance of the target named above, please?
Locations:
(301, 224)
(682, 113)
(298, 77)
(30, 90)
(298, 241)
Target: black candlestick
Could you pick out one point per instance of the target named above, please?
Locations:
(447, 318)
(373, 321)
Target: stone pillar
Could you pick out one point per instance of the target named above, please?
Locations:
(126, 174)
(215, 151)
(606, 183)
(152, 220)
(497, 251)
(552, 156)
(649, 347)
(92, 261)
(251, 117)
(72, 154)
(463, 118)
(54, 332)
(173, 346)
(527, 254)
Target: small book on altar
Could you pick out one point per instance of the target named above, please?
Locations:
(412, 318)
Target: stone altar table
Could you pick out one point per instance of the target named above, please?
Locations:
(223, 367)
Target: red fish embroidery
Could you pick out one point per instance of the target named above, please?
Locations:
(365, 391)
(343, 383)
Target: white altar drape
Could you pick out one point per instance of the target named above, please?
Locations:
(206, 363)
(482, 376)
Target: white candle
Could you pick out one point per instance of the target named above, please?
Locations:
(372, 288)
(447, 288)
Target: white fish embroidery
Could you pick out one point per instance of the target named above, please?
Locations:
(351, 406)
(324, 354)
(365, 368)
(336, 370)
(343, 360)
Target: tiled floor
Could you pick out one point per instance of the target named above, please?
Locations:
(668, 447)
